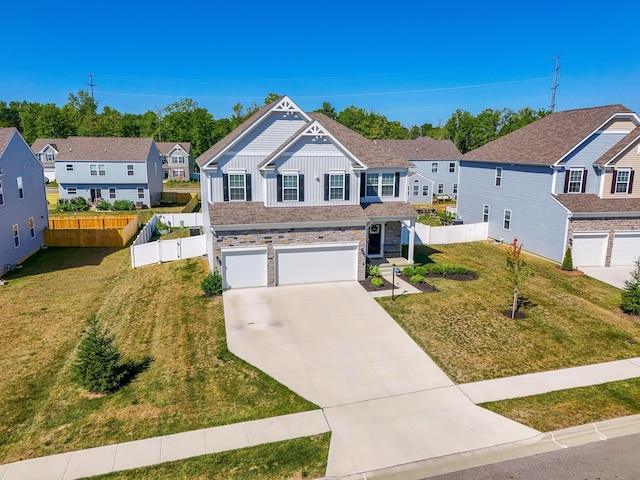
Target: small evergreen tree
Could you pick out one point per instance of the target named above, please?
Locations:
(97, 367)
(631, 293)
(212, 284)
(567, 262)
(518, 271)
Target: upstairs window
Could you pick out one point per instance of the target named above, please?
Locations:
(102, 170)
(372, 184)
(69, 167)
(20, 188)
(382, 185)
(434, 167)
(49, 157)
(32, 227)
(452, 167)
(130, 170)
(93, 169)
(290, 188)
(575, 180)
(388, 184)
(236, 186)
(622, 181)
(336, 186)
(177, 159)
(498, 177)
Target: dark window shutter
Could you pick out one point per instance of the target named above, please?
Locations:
(326, 187)
(347, 185)
(363, 185)
(248, 185)
(631, 182)
(566, 181)
(397, 189)
(584, 181)
(301, 187)
(613, 181)
(225, 187)
(279, 187)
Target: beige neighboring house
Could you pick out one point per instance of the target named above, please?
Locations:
(177, 160)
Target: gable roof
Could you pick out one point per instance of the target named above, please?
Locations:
(619, 147)
(100, 148)
(422, 148)
(368, 152)
(547, 140)
(6, 134)
(166, 147)
(585, 204)
(243, 128)
(41, 143)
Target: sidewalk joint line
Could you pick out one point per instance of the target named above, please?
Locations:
(66, 467)
(600, 434)
(555, 441)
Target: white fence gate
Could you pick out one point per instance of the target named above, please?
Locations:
(144, 252)
(426, 234)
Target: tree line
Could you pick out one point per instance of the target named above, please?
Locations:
(185, 121)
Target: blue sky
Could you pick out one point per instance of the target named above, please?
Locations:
(412, 61)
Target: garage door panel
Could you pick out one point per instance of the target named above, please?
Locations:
(626, 248)
(318, 263)
(589, 249)
(244, 268)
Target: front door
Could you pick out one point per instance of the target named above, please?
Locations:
(374, 242)
(95, 194)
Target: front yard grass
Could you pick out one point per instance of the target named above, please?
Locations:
(186, 379)
(293, 459)
(577, 406)
(570, 320)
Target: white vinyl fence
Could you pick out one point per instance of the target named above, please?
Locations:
(426, 234)
(144, 252)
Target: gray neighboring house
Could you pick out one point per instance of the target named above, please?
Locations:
(436, 170)
(106, 168)
(177, 160)
(45, 150)
(23, 201)
(293, 197)
(566, 180)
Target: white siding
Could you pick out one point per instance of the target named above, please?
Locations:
(270, 134)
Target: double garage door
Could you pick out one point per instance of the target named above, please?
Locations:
(590, 249)
(293, 264)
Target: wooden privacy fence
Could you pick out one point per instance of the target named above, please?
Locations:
(175, 197)
(111, 231)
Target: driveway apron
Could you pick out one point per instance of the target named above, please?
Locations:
(386, 401)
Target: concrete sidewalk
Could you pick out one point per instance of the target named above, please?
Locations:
(151, 451)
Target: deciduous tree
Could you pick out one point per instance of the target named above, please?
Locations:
(517, 271)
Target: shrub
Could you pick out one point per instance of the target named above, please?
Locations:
(567, 261)
(97, 367)
(421, 270)
(123, 205)
(104, 205)
(408, 271)
(436, 269)
(162, 227)
(72, 204)
(460, 270)
(449, 269)
(373, 270)
(212, 284)
(415, 279)
(377, 282)
(631, 293)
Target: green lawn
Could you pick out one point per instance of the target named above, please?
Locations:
(571, 320)
(293, 459)
(186, 377)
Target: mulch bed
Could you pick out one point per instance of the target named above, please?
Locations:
(366, 284)
(464, 277)
(518, 316)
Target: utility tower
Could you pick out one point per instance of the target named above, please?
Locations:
(552, 105)
(91, 85)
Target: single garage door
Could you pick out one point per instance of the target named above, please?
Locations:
(626, 248)
(316, 263)
(244, 267)
(589, 249)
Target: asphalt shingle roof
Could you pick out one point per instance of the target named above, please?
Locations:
(591, 203)
(165, 147)
(5, 136)
(628, 139)
(98, 148)
(545, 141)
(422, 148)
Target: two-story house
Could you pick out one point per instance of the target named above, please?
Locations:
(295, 197)
(436, 171)
(23, 201)
(45, 150)
(177, 160)
(107, 168)
(563, 181)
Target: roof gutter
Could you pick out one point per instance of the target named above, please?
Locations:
(282, 225)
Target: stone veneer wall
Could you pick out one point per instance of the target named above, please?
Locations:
(293, 236)
(609, 225)
(392, 239)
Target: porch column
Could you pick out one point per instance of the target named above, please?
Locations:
(412, 235)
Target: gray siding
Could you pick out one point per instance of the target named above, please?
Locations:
(584, 156)
(154, 176)
(115, 173)
(423, 167)
(270, 134)
(402, 197)
(420, 182)
(19, 161)
(537, 220)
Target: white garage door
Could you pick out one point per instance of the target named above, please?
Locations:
(626, 248)
(244, 267)
(589, 249)
(316, 263)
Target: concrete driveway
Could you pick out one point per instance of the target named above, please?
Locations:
(615, 276)
(386, 401)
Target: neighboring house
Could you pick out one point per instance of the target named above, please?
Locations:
(436, 170)
(106, 168)
(294, 197)
(177, 160)
(23, 201)
(564, 180)
(45, 150)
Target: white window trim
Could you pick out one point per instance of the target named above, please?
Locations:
(434, 167)
(140, 192)
(285, 188)
(626, 190)
(505, 220)
(440, 189)
(20, 188)
(486, 210)
(32, 227)
(380, 184)
(579, 182)
(69, 167)
(244, 187)
(130, 170)
(454, 189)
(115, 193)
(342, 189)
(75, 191)
(498, 177)
(416, 191)
(452, 167)
(425, 190)
(16, 235)
(93, 170)
(102, 170)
